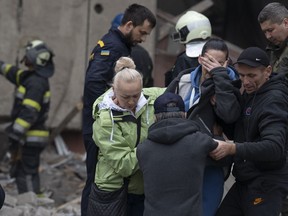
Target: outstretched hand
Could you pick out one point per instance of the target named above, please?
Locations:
(223, 149)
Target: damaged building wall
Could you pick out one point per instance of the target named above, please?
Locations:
(71, 28)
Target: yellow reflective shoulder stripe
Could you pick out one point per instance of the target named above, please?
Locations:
(39, 133)
(32, 103)
(101, 43)
(7, 69)
(18, 76)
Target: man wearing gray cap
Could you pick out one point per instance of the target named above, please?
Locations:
(260, 140)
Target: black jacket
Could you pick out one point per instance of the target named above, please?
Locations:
(261, 133)
(182, 62)
(227, 108)
(225, 112)
(143, 64)
(100, 71)
(172, 160)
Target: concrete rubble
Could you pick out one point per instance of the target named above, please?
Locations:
(62, 180)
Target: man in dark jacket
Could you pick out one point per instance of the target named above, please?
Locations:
(273, 20)
(172, 160)
(138, 22)
(140, 56)
(28, 134)
(260, 140)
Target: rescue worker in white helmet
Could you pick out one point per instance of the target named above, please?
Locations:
(193, 29)
(27, 133)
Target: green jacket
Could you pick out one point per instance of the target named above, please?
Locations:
(115, 133)
(278, 57)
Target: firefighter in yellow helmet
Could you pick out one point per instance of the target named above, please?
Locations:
(28, 134)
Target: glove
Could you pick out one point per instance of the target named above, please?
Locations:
(15, 136)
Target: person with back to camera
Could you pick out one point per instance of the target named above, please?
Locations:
(137, 23)
(193, 29)
(172, 160)
(273, 20)
(211, 99)
(28, 134)
(260, 140)
(122, 117)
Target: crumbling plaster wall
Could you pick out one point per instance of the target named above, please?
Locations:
(71, 28)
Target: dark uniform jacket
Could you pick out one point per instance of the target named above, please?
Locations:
(143, 64)
(261, 133)
(172, 160)
(183, 62)
(100, 71)
(31, 106)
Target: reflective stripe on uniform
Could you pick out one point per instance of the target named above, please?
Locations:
(18, 76)
(32, 103)
(100, 43)
(6, 69)
(21, 125)
(47, 96)
(37, 136)
(20, 92)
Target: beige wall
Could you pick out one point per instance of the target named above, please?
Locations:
(63, 25)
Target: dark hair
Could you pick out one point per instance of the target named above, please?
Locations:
(138, 14)
(215, 44)
(274, 12)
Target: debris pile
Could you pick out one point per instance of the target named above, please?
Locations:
(62, 180)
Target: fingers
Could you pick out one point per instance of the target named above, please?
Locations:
(225, 63)
(219, 152)
(209, 62)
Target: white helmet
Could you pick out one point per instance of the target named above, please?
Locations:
(192, 25)
(38, 55)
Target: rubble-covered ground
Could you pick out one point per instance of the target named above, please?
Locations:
(62, 180)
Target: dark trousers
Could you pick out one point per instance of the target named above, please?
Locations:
(22, 180)
(135, 205)
(255, 198)
(284, 211)
(91, 160)
(25, 168)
